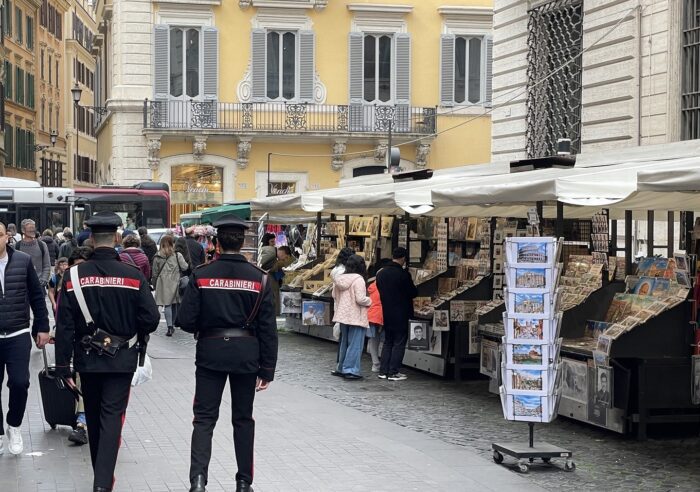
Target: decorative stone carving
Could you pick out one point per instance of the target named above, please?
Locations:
(320, 4)
(339, 148)
(422, 152)
(153, 146)
(199, 146)
(244, 89)
(244, 147)
(244, 4)
(380, 151)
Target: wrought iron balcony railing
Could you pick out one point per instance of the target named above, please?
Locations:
(274, 117)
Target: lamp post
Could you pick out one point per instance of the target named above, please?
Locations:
(41, 147)
(76, 92)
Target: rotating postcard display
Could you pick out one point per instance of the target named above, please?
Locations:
(531, 388)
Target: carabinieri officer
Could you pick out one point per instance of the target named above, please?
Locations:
(228, 305)
(105, 352)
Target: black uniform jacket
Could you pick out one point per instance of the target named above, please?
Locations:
(220, 295)
(396, 291)
(120, 302)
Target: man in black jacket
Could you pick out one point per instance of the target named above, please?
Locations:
(18, 283)
(229, 307)
(197, 256)
(119, 301)
(396, 291)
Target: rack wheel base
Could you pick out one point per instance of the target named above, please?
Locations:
(53, 426)
(569, 465)
(546, 460)
(523, 467)
(497, 457)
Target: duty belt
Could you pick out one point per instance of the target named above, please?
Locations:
(226, 333)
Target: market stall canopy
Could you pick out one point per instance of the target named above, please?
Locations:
(210, 215)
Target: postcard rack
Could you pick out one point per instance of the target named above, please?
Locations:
(526, 454)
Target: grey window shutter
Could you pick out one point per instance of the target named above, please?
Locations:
(489, 71)
(447, 69)
(161, 82)
(403, 82)
(258, 64)
(210, 65)
(306, 65)
(355, 60)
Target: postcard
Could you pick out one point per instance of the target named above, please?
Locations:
(615, 330)
(681, 261)
(441, 320)
(604, 344)
(530, 278)
(474, 338)
(595, 328)
(683, 279)
(316, 313)
(290, 302)
(526, 356)
(528, 408)
(530, 303)
(528, 329)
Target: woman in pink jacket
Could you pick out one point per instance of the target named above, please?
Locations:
(351, 303)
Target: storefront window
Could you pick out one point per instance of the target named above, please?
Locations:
(194, 187)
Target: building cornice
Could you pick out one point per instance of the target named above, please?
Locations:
(380, 8)
(189, 2)
(467, 11)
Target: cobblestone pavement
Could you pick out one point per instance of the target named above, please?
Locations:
(468, 415)
(304, 442)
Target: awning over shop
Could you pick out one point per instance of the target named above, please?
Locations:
(664, 177)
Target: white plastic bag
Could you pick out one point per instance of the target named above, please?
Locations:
(143, 373)
(336, 331)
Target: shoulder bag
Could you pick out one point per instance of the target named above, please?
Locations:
(100, 341)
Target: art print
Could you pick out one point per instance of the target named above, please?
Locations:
(604, 344)
(418, 337)
(441, 320)
(574, 380)
(683, 279)
(290, 302)
(474, 338)
(681, 262)
(472, 224)
(489, 361)
(695, 380)
(435, 346)
(458, 311)
(644, 287)
(595, 328)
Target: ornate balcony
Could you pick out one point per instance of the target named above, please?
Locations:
(287, 118)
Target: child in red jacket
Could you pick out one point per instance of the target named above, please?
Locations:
(376, 321)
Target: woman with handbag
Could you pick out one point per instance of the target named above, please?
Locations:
(168, 267)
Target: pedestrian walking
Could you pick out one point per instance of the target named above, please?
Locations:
(84, 234)
(19, 284)
(148, 245)
(168, 267)
(56, 281)
(195, 250)
(79, 435)
(351, 303)
(105, 315)
(14, 236)
(68, 246)
(37, 250)
(396, 291)
(51, 245)
(133, 255)
(228, 305)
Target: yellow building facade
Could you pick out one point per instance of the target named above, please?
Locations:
(314, 88)
(51, 161)
(19, 19)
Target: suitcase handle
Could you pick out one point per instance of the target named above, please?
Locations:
(46, 360)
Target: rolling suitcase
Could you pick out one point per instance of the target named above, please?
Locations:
(58, 401)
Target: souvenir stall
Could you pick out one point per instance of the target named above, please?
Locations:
(584, 205)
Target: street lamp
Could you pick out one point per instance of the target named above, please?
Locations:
(53, 137)
(76, 92)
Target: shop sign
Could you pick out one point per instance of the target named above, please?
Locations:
(283, 187)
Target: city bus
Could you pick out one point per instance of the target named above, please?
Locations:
(48, 207)
(144, 204)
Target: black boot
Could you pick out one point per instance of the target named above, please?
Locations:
(198, 484)
(243, 486)
(171, 330)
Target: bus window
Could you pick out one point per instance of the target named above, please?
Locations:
(56, 218)
(33, 213)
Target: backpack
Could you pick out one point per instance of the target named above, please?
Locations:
(42, 246)
(66, 249)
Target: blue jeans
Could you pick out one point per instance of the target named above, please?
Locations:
(352, 339)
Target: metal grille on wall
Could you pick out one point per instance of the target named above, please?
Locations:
(690, 88)
(555, 36)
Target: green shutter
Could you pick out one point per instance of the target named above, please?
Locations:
(8, 80)
(8, 17)
(9, 140)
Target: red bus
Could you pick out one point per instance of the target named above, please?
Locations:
(144, 204)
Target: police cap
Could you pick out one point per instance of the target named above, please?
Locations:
(104, 222)
(231, 222)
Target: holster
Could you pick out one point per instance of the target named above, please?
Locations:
(104, 343)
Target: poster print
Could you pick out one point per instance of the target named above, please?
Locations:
(574, 380)
(418, 336)
(435, 343)
(290, 302)
(489, 358)
(316, 313)
(441, 321)
(474, 338)
(695, 380)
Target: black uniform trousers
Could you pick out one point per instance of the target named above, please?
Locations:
(105, 396)
(207, 400)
